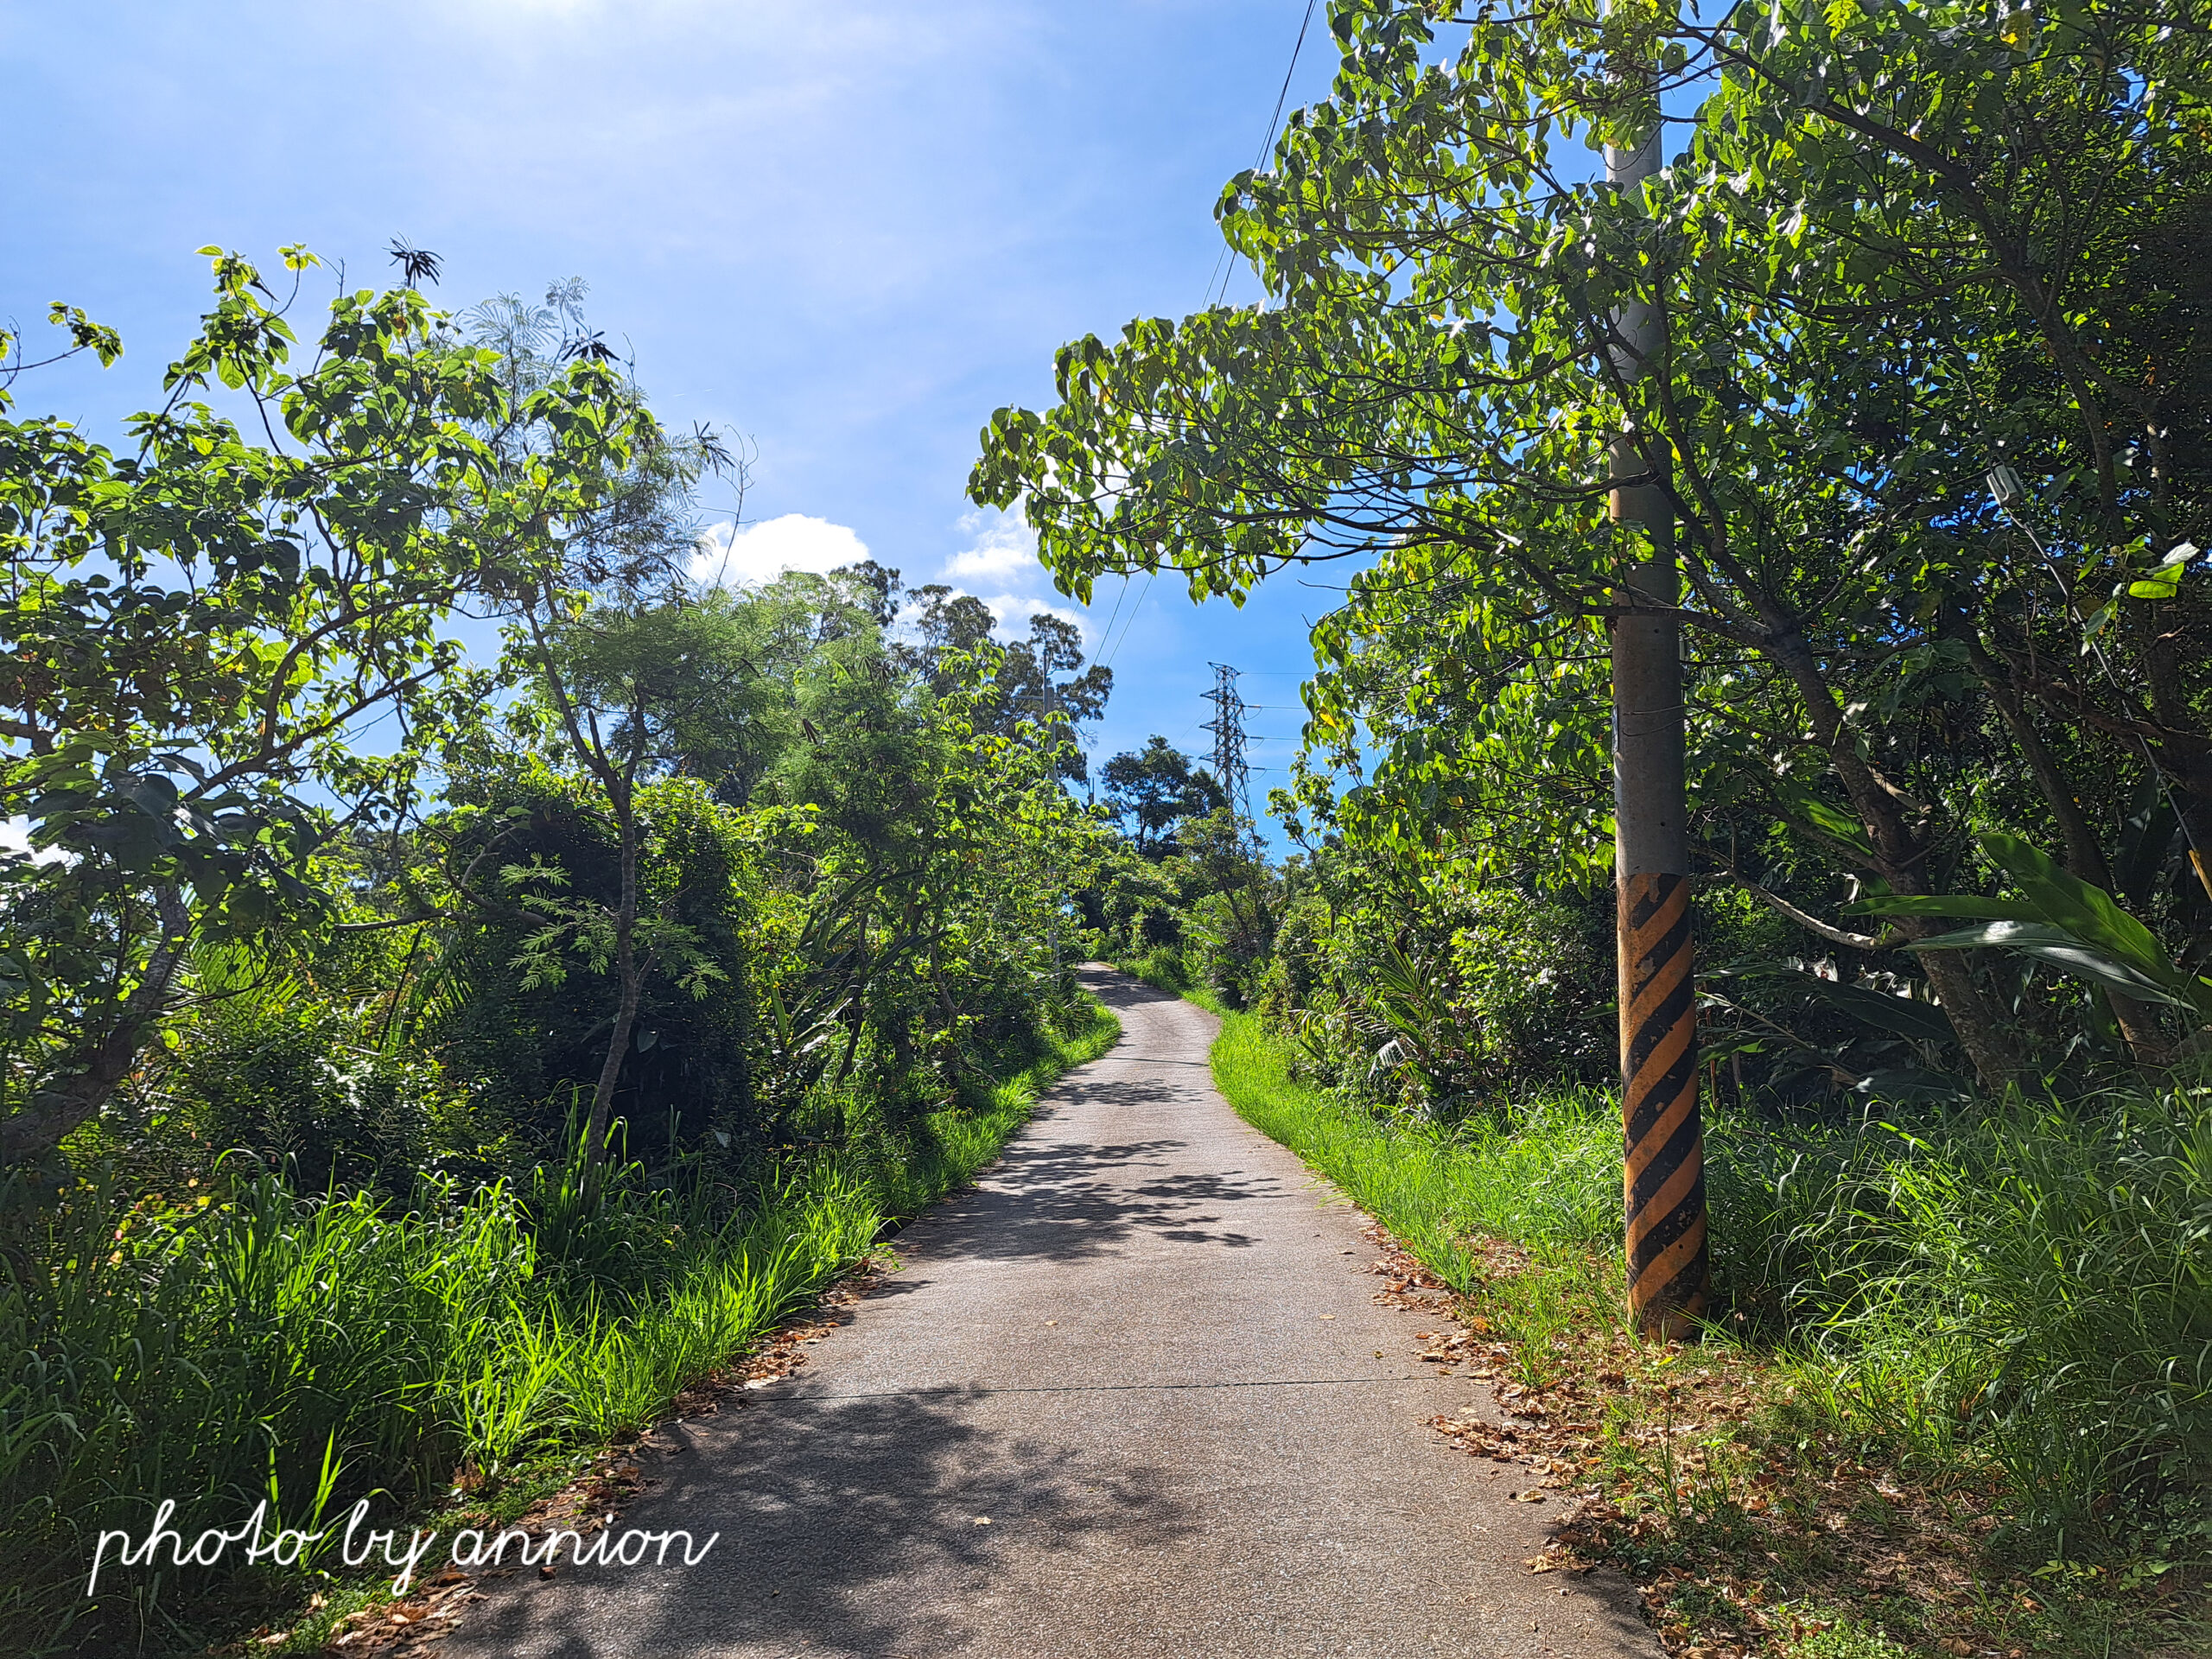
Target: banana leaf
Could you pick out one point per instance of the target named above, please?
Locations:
(1899, 1015)
(2075, 927)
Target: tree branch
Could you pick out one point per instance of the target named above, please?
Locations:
(1887, 941)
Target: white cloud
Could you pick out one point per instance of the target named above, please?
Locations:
(1014, 613)
(16, 837)
(1001, 551)
(753, 554)
(1005, 548)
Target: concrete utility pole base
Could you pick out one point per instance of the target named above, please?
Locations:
(1663, 1182)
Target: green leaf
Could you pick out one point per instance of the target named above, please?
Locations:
(1945, 905)
(2165, 581)
(1809, 811)
(2088, 911)
(1897, 1015)
(2069, 954)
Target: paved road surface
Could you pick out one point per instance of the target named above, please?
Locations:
(1203, 1457)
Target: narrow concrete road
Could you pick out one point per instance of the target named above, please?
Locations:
(1147, 1350)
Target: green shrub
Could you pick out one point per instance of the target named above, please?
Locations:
(295, 1087)
(526, 1043)
(1538, 969)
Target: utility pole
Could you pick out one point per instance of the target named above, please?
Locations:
(1665, 1180)
(1228, 728)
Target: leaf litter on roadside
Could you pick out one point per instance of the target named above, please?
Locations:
(1749, 1528)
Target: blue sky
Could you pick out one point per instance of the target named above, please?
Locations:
(848, 232)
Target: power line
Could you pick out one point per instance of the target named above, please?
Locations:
(1134, 612)
(1267, 142)
(1112, 616)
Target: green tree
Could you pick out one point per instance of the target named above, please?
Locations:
(200, 629)
(1885, 254)
(613, 661)
(1157, 789)
(1035, 676)
(608, 686)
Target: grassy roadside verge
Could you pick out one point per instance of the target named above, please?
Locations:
(1768, 1497)
(455, 1380)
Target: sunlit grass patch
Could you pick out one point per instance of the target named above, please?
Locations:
(1828, 1635)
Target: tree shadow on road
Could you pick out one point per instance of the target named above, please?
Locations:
(822, 1504)
(1063, 1202)
(1059, 1195)
(1119, 990)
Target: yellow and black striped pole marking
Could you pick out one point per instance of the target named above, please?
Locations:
(1665, 1176)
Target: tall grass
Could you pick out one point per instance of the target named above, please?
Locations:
(1548, 1176)
(1165, 968)
(241, 1341)
(2036, 1284)
(2027, 1288)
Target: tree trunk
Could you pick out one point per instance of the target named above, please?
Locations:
(88, 1080)
(1900, 856)
(629, 977)
(949, 1009)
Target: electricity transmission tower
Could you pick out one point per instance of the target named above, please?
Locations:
(1228, 728)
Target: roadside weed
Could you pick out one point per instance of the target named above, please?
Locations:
(241, 1340)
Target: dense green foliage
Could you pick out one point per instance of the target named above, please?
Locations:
(245, 1342)
(1892, 247)
(1201, 896)
(195, 628)
(379, 1114)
